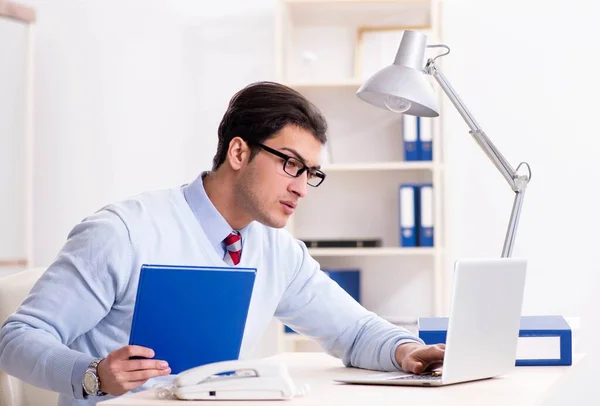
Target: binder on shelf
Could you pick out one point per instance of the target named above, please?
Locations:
(543, 340)
(410, 137)
(425, 215)
(425, 141)
(348, 279)
(408, 215)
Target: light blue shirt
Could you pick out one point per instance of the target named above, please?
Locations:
(212, 222)
(82, 307)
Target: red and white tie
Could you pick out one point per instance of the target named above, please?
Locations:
(233, 243)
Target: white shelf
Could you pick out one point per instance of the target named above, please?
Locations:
(369, 252)
(380, 166)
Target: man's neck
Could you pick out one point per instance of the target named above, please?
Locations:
(219, 189)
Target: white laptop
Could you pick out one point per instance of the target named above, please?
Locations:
(483, 326)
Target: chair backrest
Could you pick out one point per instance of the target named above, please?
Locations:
(14, 392)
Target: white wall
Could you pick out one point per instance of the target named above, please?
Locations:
(129, 95)
(13, 87)
(526, 70)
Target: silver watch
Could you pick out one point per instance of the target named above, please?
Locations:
(91, 382)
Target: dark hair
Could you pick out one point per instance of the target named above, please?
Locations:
(260, 110)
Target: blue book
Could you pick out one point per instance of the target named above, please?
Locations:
(191, 316)
(425, 215)
(408, 209)
(348, 279)
(543, 340)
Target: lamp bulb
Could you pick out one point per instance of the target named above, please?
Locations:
(397, 104)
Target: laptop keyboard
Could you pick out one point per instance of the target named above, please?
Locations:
(428, 377)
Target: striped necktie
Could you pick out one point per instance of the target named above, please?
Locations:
(233, 243)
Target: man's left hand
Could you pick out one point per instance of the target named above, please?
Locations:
(417, 358)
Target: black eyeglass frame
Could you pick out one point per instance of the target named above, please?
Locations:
(302, 167)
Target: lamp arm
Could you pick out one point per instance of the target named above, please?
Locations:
(517, 182)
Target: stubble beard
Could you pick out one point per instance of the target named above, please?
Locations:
(250, 201)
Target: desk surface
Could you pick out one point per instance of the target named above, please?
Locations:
(523, 386)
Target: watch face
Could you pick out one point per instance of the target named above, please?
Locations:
(89, 383)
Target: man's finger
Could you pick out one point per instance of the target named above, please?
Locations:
(429, 354)
(432, 366)
(416, 368)
(143, 364)
(134, 351)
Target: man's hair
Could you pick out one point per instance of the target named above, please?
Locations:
(262, 109)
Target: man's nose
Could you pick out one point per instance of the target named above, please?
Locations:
(299, 186)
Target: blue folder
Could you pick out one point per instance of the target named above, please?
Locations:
(425, 214)
(192, 316)
(408, 199)
(432, 330)
(410, 135)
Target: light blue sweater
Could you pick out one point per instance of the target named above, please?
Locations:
(82, 307)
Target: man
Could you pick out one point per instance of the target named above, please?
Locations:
(71, 332)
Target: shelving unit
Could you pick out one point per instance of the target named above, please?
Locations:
(321, 52)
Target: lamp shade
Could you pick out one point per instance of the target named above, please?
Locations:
(403, 87)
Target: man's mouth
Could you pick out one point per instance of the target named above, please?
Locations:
(289, 206)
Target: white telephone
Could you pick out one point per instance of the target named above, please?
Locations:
(243, 380)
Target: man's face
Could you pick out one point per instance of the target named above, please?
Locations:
(266, 192)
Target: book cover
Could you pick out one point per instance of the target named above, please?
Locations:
(200, 317)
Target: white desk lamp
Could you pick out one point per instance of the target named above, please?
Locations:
(403, 88)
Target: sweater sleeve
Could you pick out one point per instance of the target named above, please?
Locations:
(70, 298)
(316, 306)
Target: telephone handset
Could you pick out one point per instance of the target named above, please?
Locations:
(236, 380)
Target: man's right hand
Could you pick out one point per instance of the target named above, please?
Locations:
(118, 374)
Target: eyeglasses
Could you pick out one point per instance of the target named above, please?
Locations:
(295, 167)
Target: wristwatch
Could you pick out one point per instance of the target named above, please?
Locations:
(91, 382)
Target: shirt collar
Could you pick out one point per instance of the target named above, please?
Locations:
(212, 222)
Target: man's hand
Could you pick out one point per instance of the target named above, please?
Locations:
(416, 358)
(118, 374)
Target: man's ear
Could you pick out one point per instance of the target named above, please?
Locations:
(238, 153)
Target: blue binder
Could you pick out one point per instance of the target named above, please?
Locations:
(410, 135)
(425, 142)
(190, 315)
(433, 330)
(408, 204)
(348, 279)
(425, 215)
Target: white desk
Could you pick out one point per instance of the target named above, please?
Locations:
(524, 386)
